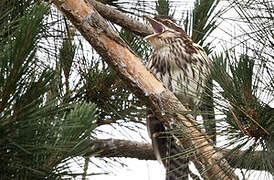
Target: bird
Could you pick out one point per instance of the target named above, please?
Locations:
(182, 66)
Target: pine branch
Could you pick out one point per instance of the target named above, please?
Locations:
(144, 85)
(144, 151)
(120, 148)
(121, 19)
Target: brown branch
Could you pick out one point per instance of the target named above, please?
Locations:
(143, 151)
(144, 85)
(120, 148)
(121, 19)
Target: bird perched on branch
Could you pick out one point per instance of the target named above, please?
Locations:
(182, 66)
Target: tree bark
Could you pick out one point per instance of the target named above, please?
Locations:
(120, 148)
(144, 151)
(121, 19)
(145, 86)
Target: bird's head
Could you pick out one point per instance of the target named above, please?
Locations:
(165, 29)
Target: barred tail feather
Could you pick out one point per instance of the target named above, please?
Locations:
(166, 150)
(176, 165)
(156, 133)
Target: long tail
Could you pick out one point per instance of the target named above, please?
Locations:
(167, 151)
(176, 165)
(207, 109)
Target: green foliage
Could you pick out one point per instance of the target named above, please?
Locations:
(67, 53)
(163, 7)
(70, 136)
(10, 11)
(37, 132)
(46, 119)
(249, 119)
(17, 56)
(136, 43)
(244, 94)
(104, 88)
(237, 86)
(202, 20)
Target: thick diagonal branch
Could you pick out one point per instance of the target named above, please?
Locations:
(144, 85)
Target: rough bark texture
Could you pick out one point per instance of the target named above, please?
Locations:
(121, 19)
(144, 85)
(121, 148)
(144, 151)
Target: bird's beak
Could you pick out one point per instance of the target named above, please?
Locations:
(157, 27)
